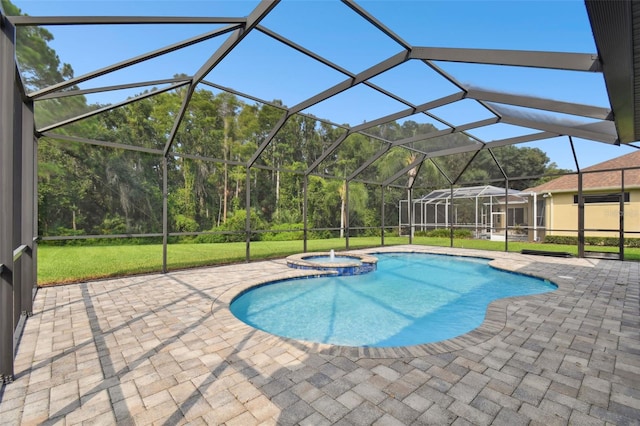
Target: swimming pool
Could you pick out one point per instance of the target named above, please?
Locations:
(411, 299)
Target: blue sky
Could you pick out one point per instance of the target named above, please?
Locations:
(267, 69)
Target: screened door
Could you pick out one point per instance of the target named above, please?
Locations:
(603, 209)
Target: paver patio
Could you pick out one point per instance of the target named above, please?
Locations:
(164, 349)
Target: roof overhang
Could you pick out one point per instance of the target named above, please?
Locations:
(613, 24)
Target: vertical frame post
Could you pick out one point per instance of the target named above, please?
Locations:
(621, 227)
(305, 206)
(450, 217)
(247, 224)
(16, 231)
(346, 214)
(7, 89)
(34, 221)
(29, 188)
(382, 215)
(165, 212)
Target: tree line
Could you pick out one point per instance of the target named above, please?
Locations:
(88, 189)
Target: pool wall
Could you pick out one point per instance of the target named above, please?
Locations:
(362, 264)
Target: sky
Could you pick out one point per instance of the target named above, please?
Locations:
(265, 68)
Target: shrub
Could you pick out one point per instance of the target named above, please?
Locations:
(560, 239)
(210, 238)
(391, 232)
(283, 235)
(185, 224)
(463, 234)
(591, 241)
(235, 223)
(113, 225)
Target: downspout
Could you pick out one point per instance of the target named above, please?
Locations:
(411, 214)
(535, 217)
(490, 216)
(506, 215)
(580, 217)
(476, 222)
(550, 213)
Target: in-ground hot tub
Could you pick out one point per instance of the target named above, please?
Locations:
(341, 264)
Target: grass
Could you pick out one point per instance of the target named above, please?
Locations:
(80, 263)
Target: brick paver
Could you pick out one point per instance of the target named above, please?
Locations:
(164, 349)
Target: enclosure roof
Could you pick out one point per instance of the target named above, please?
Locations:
(359, 65)
(468, 192)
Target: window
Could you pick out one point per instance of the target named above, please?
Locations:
(516, 216)
(602, 198)
(540, 220)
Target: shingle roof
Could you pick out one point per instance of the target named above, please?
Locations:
(603, 180)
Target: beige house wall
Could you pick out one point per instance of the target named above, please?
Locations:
(562, 216)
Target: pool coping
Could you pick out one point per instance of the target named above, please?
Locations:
(364, 265)
(494, 322)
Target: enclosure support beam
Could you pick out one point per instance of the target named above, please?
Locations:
(29, 191)
(305, 212)
(451, 219)
(346, 213)
(133, 61)
(7, 89)
(603, 131)
(108, 108)
(165, 212)
(247, 223)
(573, 151)
(518, 58)
(621, 227)
(15, 237)
(262, 10)
(382, 188)
(540, 103)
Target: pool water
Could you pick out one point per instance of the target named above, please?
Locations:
(410, 299)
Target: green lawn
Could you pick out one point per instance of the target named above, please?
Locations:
(79, 263)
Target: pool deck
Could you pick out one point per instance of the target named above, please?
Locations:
(164, 349)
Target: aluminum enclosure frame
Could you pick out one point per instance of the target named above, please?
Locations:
(619, 124)
(18, 203)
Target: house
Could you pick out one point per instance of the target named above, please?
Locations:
(611, 194)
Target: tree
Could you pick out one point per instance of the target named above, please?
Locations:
(521, 162)
(358, 197)
(83, 188)
(37, 60)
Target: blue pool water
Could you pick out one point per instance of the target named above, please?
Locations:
(411, 299)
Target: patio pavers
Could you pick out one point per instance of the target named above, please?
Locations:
(164, 349)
